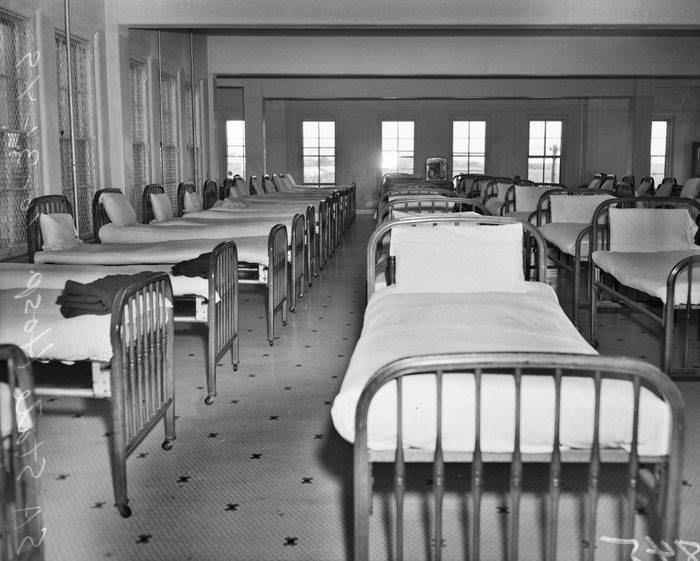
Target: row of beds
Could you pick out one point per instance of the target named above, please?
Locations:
(278, 240)
(466, 357)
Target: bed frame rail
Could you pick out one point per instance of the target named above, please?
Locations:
(20, 512)
(141, 378)
(311, 260)
(663, 520)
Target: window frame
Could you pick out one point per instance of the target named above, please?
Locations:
(396, 119)
(226, 147)
(544, 157)
(146, 141)
(470, 119)
(668, 119)
(318, 119)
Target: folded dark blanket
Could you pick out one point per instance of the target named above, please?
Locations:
(95, 297)
(197, 267)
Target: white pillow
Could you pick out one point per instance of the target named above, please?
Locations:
(651, 229)
(118, 209)
(162, 209)
(575, 208)
(58, 232)
(466, 258)
(192, 202)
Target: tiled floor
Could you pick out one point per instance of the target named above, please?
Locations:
(260, 474)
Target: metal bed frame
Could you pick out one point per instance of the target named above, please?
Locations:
(666, 475)
(182, 188)
(218, 311)
(148, 190)
(431, 204)
(534, 246)
(600, 283)
(273, 276)
(139, 380)
(494, 189)
(20, 513)
(544, 216)
(510, 203)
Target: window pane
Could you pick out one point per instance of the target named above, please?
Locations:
(536, 145)
(535, 167)
(327, 129)
(397, 148)
(477, 165)
(478, 129)
(658, 146)
(553, 130)
(537, 129)
(477, 145)
(406, 129)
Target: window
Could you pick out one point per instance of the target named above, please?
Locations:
(397, 147)
(544, 156)
(318, 142)
(659, 150)
(83, 125)
(19, 147)
(468, 147)
(140, 120)
(235, 148)
(169, 136)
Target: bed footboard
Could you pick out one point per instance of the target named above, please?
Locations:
(663, 509)
(222, 312)
(142, 385)
(311, 259)
(323, 232)
(277, 284)
(20, 516)
(297, 251)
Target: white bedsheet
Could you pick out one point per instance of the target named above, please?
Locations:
(647, 272)
(404, 324)
(563, 235)
(33, 322)
(250, 249)
(14, 275)
(188, 229)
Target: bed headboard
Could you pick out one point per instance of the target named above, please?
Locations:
(267, 185)
(254, 185)
(46, 204)
(210, 194)
(99, 214)
(534, 247)
(225, 189)
(182, 188)
(148, 190)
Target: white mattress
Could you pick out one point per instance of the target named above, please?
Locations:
(281, 212)
(647, 272)
(404, 324)
(15, 275)
(187, 229)
(250, 249)
(563, 235)
(42, 332)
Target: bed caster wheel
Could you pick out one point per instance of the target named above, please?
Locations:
(284, 323)
(235, 367)
(167, 445)
(270, 342)
(208, 400)
(124, 511)
(291, 309)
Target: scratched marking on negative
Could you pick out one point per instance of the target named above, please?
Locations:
(661, 550)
